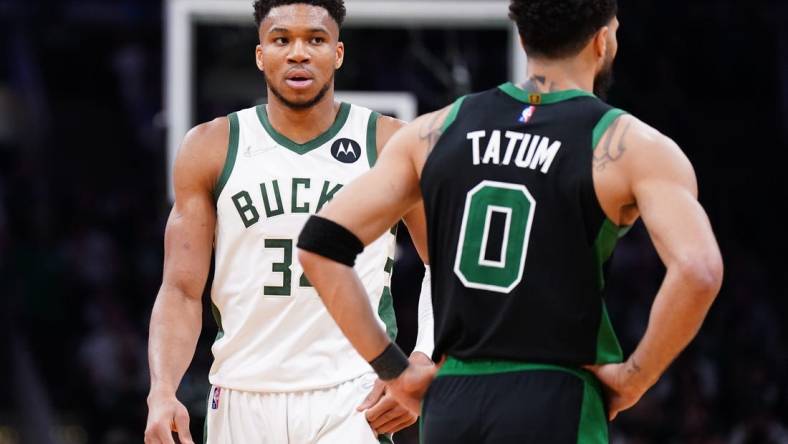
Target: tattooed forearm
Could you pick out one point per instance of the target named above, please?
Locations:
(633, 366)
(612, 146)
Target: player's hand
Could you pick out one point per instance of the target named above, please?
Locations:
(384, 413)
(409, 387)
(166, 415)
(622, 386)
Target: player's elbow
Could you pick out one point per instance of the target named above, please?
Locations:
(309, 261)
(306, 259)
(703, 274)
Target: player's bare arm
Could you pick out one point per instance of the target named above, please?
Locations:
(383, 412)
(176, 320)
(367, 208)
(639, 171)
(414, 219)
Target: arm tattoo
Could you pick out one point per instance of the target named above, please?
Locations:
(432, 129)
(608, 151)
(633, 366)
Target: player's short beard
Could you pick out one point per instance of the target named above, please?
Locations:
(298, 106)
(604, 80)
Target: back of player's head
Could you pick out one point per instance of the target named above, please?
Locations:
(335, 8)
(559, 28)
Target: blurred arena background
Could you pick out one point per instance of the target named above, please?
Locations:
(84, 137)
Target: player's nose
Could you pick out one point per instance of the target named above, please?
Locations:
(298, 52)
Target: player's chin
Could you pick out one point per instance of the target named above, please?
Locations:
(300, 103)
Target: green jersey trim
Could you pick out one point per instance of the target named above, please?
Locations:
(303, 148)
(477, 367)
(453, 112)
(229, 161)
(605, 243)
(608, 349)
(536, 98)
(603, 124)
(387, 314)
(217, 317)
(372, 138)
(592, 428)
(593, 418)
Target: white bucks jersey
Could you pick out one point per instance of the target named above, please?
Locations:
(274, 332)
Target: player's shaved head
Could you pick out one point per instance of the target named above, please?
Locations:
(335, 8)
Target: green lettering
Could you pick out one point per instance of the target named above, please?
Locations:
(245, 208)
(295, 208)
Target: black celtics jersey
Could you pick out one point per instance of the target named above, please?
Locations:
(517, 238)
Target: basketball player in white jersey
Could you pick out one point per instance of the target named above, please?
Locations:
(244, 185)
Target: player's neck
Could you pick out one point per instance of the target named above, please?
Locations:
(545, 76)
(302, 125)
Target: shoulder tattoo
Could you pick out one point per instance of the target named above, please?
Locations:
(612, 147)
(431, 128)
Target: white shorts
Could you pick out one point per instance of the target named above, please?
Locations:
(326, 416)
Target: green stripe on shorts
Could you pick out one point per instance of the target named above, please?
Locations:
(593, 417)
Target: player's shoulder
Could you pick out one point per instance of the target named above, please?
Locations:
(388, 123)
(204, 149)
(643, 150)
(208, 135)
(386, 127)
(640, 135)
(441, 119)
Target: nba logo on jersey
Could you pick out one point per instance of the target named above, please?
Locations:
(217, 392)
(527, 113)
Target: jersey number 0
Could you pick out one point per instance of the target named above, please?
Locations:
(473, 264)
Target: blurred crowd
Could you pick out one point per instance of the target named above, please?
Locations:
(83, 207)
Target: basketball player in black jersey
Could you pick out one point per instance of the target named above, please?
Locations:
(527, 189)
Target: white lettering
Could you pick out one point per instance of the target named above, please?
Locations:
(544, 156)
(513, 137)
(534, 152)
(493, 151)
(476, 137)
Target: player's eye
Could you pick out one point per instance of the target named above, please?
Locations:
(317, 40)
(280, 41)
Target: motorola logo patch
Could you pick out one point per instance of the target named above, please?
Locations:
(346, 150)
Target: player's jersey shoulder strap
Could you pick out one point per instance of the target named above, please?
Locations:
(232, 152)
(372, 137)
(362, 123)
(453, 111)
(604, 123)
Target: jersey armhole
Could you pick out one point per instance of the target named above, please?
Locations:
(229, 161)
(372, 138)
(599, 130)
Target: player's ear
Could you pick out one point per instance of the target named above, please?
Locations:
(600, 44)
(340, 55)
(258, 57)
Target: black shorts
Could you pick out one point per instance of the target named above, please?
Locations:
(499, 402)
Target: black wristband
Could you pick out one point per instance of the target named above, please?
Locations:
(391, 363)
(330, 240)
